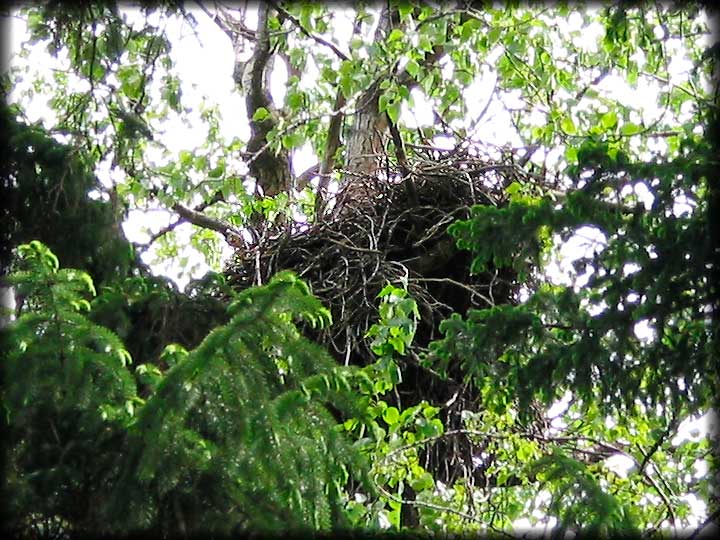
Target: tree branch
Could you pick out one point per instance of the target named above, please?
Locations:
(271, 170)
(201, 220)
(195, 216)
(331, 147)
(332, 142)
(228, 24)
(221, 23)
(303, 179)
(304, 30)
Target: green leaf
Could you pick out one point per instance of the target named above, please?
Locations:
(346, 86)
(201, 163)
(513, 189)
(393, 111)
(630, 128)
(388, 290)
(609, 119)
(405, 9)
(398, 343)
(413, 68)
(395, 35)
(424, 482)
(87, 281)
(355, 43)
(430, 412)
(391, 416)
(218, 171)
(568, 126)
(186, 158)
(293, 140)
(571, 154)
(296, 100)
(469, 28)
(260, 114)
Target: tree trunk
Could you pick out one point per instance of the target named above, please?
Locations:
(366, 141)
(271, 170)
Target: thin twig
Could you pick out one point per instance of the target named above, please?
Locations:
(305, 31)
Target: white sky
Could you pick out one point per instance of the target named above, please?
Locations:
(206, 69)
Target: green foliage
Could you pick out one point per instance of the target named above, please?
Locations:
(55, 346)
(553, 59)
(67, 396)
(45, 186)
(580, 501)
(149, 313)
(630, 338)
(244, 414)
(647, 268)
(232, 417)
(390, 438)
(395, 330)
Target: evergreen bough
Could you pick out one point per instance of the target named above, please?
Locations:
(237, 433)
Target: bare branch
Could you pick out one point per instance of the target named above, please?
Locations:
(220, 22)
(303, 179)
(206, 222)
(471, 290)
(402, 161)
(229, 25)
(581, 93)
(304, 30)
(331, 147)
(216, 197)
(201, 220)
(332, 143)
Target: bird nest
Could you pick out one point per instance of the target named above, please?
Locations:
(392, 228)
(385, 229)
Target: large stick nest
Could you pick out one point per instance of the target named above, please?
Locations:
(384, 230)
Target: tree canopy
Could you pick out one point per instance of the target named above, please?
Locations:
(434, 268)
